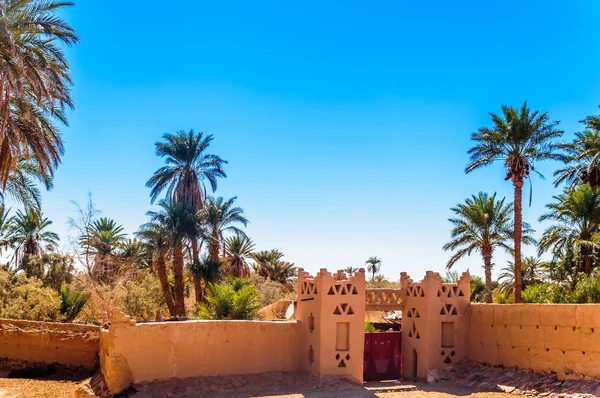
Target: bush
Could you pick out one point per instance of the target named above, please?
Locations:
(232, 299)
(271, 291)
(369, 327)
(72, 302)
(26, 298)
(142, 297)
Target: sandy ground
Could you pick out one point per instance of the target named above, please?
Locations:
(25, 388)
(22, 388)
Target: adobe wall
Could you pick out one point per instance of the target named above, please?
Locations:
(560, 338)
(133, 353)
(66, 344)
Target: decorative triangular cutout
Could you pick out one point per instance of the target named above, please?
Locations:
(417, 336)
(354, 291)
(422, 292)
(443, 311)
(447, 360)
(338, 289)
(331, 292)
(345, 308)
(454, 311)
(350, 311)
(337, 311)
(342, 364)
(439, 293)
(410, 333)
(417, 314)
(460, 293)
(344, 290)
(444, 289)
(409, 314)
(448, 308)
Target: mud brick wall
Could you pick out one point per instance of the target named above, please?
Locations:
(560, 338)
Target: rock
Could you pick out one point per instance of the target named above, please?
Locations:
(431, 379)
(84, 391)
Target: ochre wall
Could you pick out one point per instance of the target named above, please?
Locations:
(67, 344)
(560, 338)
(157, 351)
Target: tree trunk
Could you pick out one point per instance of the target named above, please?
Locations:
(518, 193)
(178, 276)
(161, 272)
(213, 248)
(487, 262)
(197, 281)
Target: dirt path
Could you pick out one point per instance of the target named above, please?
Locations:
(26, 388)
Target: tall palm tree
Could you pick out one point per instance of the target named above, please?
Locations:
(518, 138)
(179, 223)
(373, 265)
(220, 217)
(29, 234)
(482, 224)
(34, 82)
(188, 166)
(576, 219)
(269, 264)
(205, 272)
(350, 270)
(238, 248)
(155, 235)
(102, 239)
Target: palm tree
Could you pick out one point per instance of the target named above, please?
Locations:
(34, 82)
(102, 239)
(188, 166)
(219, 217)
(530, 274)
(269, 264)
(350, 270)
(22, 183)
(135, 254)
(482, 224)
(179, 223)
(29, 234)
(576, 217)
(157, 237)
(237, 249)
(373, 265)
(518, 138)
(205, 272)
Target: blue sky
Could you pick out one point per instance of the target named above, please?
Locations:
(346, 127)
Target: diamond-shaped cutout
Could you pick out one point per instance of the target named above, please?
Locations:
(337, 357)
(347, 357)
(443, 353)
(452, 353)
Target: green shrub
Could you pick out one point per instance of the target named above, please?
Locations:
(232, 299)
(27, 298)
(72, 302)
(142, 297)
(369, 327)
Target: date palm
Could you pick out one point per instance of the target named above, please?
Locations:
(350, 270)
(22, 183)
(583, 156)
(102, 239)
(29, 234)
(157, 237)
(518, 138)
(530, 274)
(5, 224)
(373, 266)
(34, 82)
(219, 217)
(188, 166)
(482, 224)
(269, 264)
(178, 222)
(238, 249)
(576, 220)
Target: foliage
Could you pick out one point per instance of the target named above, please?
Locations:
(29, 234)
(72, 302)
(269, 265)
(26, 298)
(271, 291)
(35, 77)
(369, 327)
(350, 270)
(54, 269)
(232, 299)
(219, 217)
(238, 248)
(380, 282)
(142, 297)
(530, 274)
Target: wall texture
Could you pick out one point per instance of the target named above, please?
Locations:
(560, 338)
(133, 353)
(67, 344)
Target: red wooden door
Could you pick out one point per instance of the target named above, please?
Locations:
(382, 356)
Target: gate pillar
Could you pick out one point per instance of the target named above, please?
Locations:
(331, 312)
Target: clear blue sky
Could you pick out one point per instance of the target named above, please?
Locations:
(346, 124)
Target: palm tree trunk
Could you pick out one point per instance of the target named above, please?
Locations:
(197, 281)
(178, 276)
(518, 196)
(161, 271)
(487, 262)
(213, 248)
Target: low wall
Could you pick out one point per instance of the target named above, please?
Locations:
(133, 353)
(67, 344)
(560, 338)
